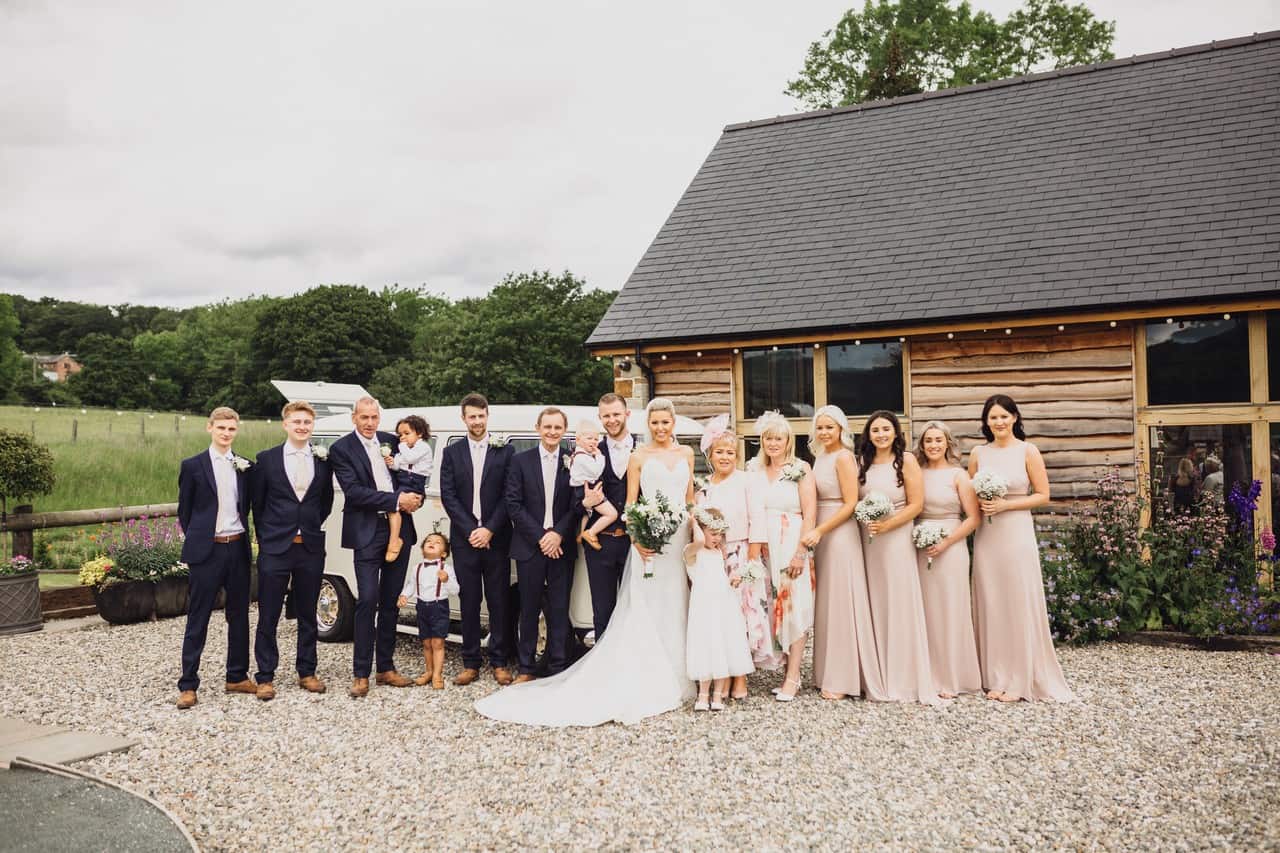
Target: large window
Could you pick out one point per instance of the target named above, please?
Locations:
(1273, 355)
(778, 378)
(1198, 361)
(1194, 463)
(862, 378)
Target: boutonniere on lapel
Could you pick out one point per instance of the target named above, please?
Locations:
(385, 450)
(241, 464)
(567, 462)
(793, 471)
(497, 440)
(320, 452)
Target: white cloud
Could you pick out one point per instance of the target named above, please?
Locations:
(189, 151)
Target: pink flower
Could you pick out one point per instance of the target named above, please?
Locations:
(1268, 540)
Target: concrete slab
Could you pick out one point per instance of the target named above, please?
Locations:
(16, 731)
(64, 747)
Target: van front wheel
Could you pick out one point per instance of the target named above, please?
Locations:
(335, 610)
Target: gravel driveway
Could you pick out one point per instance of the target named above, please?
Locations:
(1168, 749)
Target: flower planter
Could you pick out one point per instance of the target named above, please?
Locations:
(125, 603)
(20, 603)
(171, 597)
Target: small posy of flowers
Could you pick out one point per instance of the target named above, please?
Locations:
(927, 534)
(497, 440)
(385, 450)
(988, 485)
(17, 565)
(751, 571)
(320, 452)
(567, 462)
(793, 472)
(241, 464)
(873, 507)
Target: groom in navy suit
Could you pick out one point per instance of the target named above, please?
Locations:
(604, 567)
(292, 497)
(213, 511)
(368, 497)
(473, 475)
(545, 517)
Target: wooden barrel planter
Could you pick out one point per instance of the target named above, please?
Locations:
(125, 603)
(20, 603)
(171, 597)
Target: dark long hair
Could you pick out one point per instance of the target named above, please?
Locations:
(1005, 402)
(867, 450)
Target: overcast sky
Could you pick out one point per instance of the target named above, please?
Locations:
(180, 152)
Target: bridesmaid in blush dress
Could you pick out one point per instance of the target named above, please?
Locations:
(1015, 648)
(782, 490)
(897, 612)
(948, 613)
(844, 644)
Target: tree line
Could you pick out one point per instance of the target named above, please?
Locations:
(523, 342)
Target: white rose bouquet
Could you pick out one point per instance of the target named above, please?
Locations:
(651, 522)
(873, 507)
(751, 571)
(926, 535)
(988, 486)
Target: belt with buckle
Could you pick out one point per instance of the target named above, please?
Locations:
(223, 540)
(297, 540)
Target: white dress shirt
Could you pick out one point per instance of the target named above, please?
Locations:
(478, 451)
(300, 465)
(421, 584)
(381, 475)
(224, 476)
(620, 455)
(549, 462)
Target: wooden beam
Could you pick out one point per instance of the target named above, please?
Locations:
(939, 328)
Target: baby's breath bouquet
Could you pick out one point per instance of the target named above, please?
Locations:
(988, 486)
(651, 522)
(926, 535)
(751, 571)
(873, 507)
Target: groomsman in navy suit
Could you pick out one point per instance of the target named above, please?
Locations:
(544, 516)
(292, 497)
(473, 477)
(368, 497)
(213, 511)
(604, 567)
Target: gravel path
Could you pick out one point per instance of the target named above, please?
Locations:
(1168, 749)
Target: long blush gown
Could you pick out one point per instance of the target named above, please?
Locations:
(1015, 648)
(948, 614)
(844, 644)
(897, 612)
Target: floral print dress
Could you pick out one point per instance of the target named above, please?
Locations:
(792, 606)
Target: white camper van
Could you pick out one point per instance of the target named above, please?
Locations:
(336, 608)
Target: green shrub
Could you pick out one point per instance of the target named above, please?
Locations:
(26, 468)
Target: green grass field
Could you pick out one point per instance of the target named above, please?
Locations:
(105, 459)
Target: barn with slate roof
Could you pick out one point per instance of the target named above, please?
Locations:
(1101, 242)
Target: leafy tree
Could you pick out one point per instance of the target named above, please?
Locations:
(214, 356)
(26, 468)
(114, 374)
(889, 49)
(161, 355)
(11, 363)
(37, 390)
(53, 326)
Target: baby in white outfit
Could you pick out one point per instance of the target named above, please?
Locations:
(586, 467)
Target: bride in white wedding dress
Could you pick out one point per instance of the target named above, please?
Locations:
(637, 669)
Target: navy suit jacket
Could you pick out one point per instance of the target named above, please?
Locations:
(456, 486)
(527, 505)
(362, 501)
(198, 506)
(278, 515)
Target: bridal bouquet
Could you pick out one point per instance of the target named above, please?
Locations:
(651, 522)
(873, 507)
(989, 485)
(927, 534)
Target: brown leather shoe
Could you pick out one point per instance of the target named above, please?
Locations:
(501, 675)
(186, 699)
(359, 687)
(466, 677)
(266, 691)
(393, 678)
(437, 683)
(523, 677)
(423, 680)
(311, 684)
(246, 686)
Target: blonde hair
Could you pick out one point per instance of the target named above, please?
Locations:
(658, 404)
(836, 414)
(774, 424)
(952, 454)
(587, 426)
(224, 413)
(297, 406)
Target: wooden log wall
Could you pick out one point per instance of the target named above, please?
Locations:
(699, 386)
(1074, 389)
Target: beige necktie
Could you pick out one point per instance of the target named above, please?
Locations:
(477, 469)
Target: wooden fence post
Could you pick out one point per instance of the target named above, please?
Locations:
(23, 540)
(175, 424)
(75, 429)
